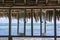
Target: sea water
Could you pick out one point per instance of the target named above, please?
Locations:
(4, 29)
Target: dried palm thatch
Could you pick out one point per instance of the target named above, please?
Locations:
(28, 13)
(49, 14)
(4, 13)
(58, 15)
(36, 14)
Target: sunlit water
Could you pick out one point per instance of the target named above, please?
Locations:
(4, 29)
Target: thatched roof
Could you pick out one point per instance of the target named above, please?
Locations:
(36, 13)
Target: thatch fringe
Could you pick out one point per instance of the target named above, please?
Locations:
(36, 14)
(58, 14)
(49, 14)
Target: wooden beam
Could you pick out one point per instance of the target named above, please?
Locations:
(47, 7)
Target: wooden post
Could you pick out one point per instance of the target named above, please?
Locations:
(54, 13)
(3, 1)
(58, 1)
(24, 22)
(18, 24)
(40, 22)
(10, 38)
(25, 2)
(14, 1)
(36, 2)
(46, 2)
(32, 22)
(45, 25)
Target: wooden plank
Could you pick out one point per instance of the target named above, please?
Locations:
(13, 7)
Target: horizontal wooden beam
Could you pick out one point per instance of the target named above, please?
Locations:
(34, 36)
(45, 7)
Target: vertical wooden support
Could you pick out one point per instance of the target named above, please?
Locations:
(14, 1)
(25, 2)
(24, 22)
(32, 22)
(10, 38)
(58, 1)
(36, 2)
(18, 24)
(40, 22)
(3, 1)
(45, 25)
(46, 2)
(54, 24)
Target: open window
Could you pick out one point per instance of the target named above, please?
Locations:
(49, 22)
(36, 22)
(17, 22)
(21, 20)
(28, 22)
